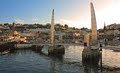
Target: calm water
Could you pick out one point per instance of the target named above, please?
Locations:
(28, 61)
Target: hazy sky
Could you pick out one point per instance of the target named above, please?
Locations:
(72, 12)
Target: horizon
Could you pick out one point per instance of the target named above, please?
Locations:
(70, 12)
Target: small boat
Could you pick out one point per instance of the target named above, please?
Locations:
(116, 50)
(4, 52)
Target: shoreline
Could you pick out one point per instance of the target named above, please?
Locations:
(108, 69)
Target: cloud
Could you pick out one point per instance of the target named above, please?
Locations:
(67, 21)
(107, 11)
(19, 21)
(100, 4)
(35, 19)
(73, 23)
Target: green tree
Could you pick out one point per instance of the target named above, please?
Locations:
(48, 25)
(66, 26)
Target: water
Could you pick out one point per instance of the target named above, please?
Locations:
(111, 58)
(28, 61)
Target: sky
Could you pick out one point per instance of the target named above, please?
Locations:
(75, 13)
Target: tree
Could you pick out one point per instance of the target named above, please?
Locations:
(6, 24)
(73, 28)
(66, 26)
(58, 27)
(48, 25)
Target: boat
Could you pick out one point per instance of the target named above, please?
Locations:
(5, 48)
(116, 50)
(4, 52)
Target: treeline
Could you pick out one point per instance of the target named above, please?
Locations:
(58, 27)
(61, 27)
(44, 26)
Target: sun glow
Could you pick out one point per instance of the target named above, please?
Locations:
(108, 12)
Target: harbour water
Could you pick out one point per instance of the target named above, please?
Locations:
(28, 61)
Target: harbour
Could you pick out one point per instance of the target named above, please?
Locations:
(28, 61)
(55, 47)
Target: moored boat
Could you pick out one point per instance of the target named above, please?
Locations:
(4, 52)
(116, 50)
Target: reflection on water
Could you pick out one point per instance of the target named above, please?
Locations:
(92, 64)
(91, 68)
(111, 58)
(73, 54)
(73, 62)
(28, 61)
